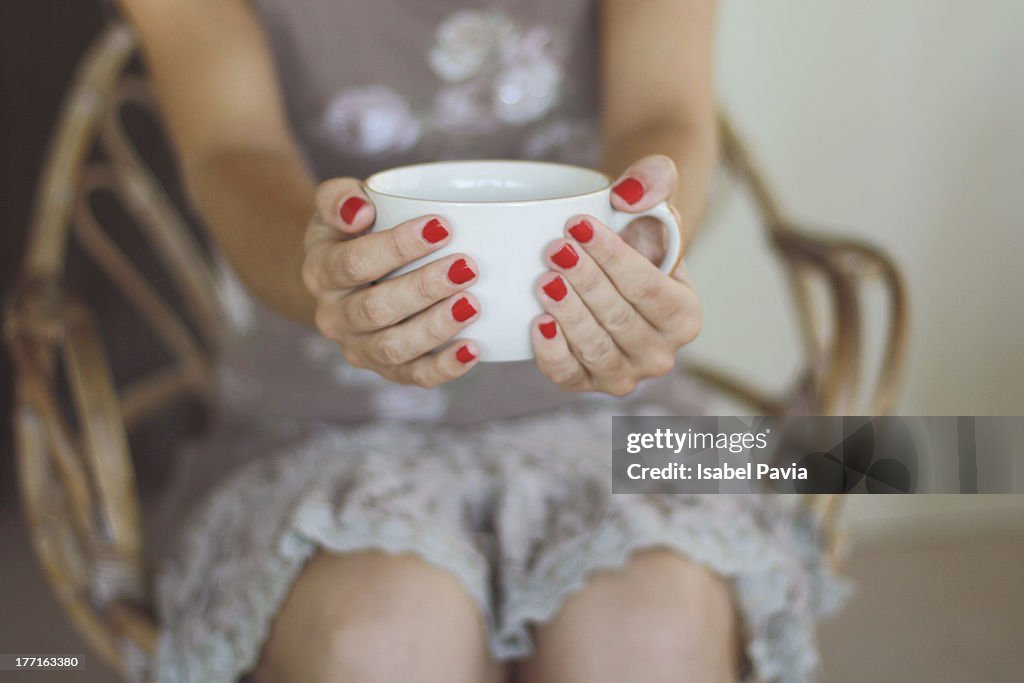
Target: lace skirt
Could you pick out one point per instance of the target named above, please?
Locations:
(519, 510)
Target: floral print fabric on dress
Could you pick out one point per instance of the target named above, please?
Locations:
(491, 72)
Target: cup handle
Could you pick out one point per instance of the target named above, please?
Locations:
(673, 231)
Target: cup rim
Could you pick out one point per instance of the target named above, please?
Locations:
(367, 184)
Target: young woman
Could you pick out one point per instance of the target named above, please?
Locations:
(376, 506)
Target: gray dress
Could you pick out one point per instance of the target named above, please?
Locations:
(498, 477)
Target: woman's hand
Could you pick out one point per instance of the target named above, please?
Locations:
(391, 327)
(612, 317)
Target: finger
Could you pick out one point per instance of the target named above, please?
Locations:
(590, 343)
(423, 332)
(343, 265)
(435, 369)
(630, 331)
(342, 205)
(659, 298)
(391, 301)
(554, 358)
(646, 182)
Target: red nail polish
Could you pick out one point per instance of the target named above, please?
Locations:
(548, 329)
(464, 355)
(630, 189)
(433, 231)
(582, 232)
(460, 272)
(566, 257)
(556, 289)
(462, 310)
(350, 208)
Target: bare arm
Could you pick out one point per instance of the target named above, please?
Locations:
(611, 317)
(658, 92)
(221, 100)
(290, 239)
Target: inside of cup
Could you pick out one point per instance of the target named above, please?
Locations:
(487, 181)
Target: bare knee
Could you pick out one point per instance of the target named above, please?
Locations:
(662, 617)
(678, 608)
(373, 617)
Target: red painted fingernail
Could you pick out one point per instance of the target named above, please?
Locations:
(556, 289)
(582, 232)
(433, 231)
(464, 354)
(630, 189)
(350, 208)
(462, 310)
(548, 329)
(460, 272)
(566, 257)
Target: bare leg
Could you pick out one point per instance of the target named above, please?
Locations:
(369, 617)
(661, 619)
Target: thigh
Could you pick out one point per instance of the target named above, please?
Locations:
(662, 618)
(371, 616)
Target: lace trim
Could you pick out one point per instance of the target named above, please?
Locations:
(781, 643)
(781, 581)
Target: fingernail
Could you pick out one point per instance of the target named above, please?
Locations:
(433, 231)
(548, 329)
(464, 354)
(462, 310)
(582, 232)
(566, 257)
(350, 208)
(630, 189)
(460, 272)
(556, 289)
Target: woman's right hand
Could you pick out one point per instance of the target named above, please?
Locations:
(391, 327)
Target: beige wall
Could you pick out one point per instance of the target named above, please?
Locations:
(899, 121)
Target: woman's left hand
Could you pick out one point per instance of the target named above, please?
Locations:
(612, 317)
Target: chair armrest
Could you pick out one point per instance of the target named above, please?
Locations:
(846, 266)
(829, 379)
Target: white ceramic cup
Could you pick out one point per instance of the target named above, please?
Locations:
(503, 214)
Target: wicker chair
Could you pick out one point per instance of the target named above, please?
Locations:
(75, 471)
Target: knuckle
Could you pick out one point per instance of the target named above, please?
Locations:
(688, 326)
(610, 249)
(354, 264)
(620, 319)
(647, 285)
(402, 247)
(425, 285)
(390, 351)
(587, 281)
(373, 309)
(599, 352)
(421, 378)
(574, 316)
(693, 329)
(436, 329)
(567, 375)
(660, 363)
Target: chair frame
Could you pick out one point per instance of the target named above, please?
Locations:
(78, 485)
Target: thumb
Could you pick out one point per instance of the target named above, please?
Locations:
(645, 183)
(342, 205)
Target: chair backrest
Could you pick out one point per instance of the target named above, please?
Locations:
(75, 471)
